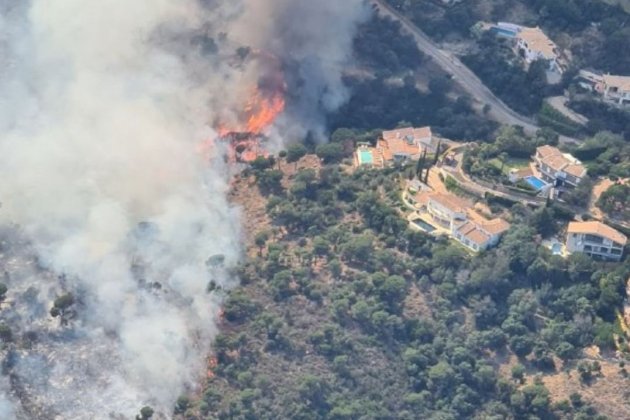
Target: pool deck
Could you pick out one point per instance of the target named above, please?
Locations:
(426, 218)
(549, 243)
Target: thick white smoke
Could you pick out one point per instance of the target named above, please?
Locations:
(103, 107)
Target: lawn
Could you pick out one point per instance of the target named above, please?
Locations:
(510, 163)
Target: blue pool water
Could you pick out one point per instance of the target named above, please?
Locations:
(537, 183)
(423, 225)
(365, 156)
(504, 32)
(556, 249)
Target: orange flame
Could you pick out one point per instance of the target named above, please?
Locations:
(260, 112)
(263, 111)
(265, 104)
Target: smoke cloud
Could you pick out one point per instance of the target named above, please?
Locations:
(104, 108)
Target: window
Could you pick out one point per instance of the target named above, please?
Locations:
(594, 239)
(588, 248)
(615, 251)
(604, 250)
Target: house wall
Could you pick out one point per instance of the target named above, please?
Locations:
(531, 56)
(435, 209)
(621, 97)
(592, 245)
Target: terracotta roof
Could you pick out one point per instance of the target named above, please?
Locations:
(390, 148)
(597, 228)
(452, 202)
(558, 161)
(495, 226)
(547, 150)
(472, 232)
(404, 141)
(422, 198)
(620, 82)
(576, 170)
(537, 41)
(401, 133)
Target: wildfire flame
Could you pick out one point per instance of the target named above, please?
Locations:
(265, 103)
(263, 111)
(260, 112)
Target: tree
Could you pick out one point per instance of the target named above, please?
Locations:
(295, 152)
(503, 157)
(436, 158)
(420, 166)
(518, 373)
(321, 246)
(182, 404)
(330, 152)
(260, 240)
(238, 307)
(62, 307)
(358, 249)
(5, 332)
(3, 291)
(145, 413)
(270, 180)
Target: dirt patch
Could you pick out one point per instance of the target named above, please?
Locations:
(609, 392)
(416, 305)
(598, 190)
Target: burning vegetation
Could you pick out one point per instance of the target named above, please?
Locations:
(266, 102)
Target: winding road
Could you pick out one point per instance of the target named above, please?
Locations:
(462, 75)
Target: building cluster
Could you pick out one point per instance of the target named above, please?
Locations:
(457, 217)
(612, 88)
(397, 146)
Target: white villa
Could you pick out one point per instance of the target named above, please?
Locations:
(532, 44)
(456, 215)
(595, 239)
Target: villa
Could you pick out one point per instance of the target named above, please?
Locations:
(595, 239)
(397, 146)
(456, 216)
(532, 44)
(615, 89)
(559, 168)
(481, 235)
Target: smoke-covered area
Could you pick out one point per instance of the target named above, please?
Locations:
(313, 40)
(104, 108)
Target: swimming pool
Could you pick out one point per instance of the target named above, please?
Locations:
(535, 182)
(504, 32)
(556, 249)
(365, 157)
(423, 225)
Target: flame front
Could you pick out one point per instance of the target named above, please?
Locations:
(246, 129)
(263, 111)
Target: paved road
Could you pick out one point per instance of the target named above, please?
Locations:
(499, 111)
(560, 104)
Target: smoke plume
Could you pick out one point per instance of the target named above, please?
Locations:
(104, 107)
